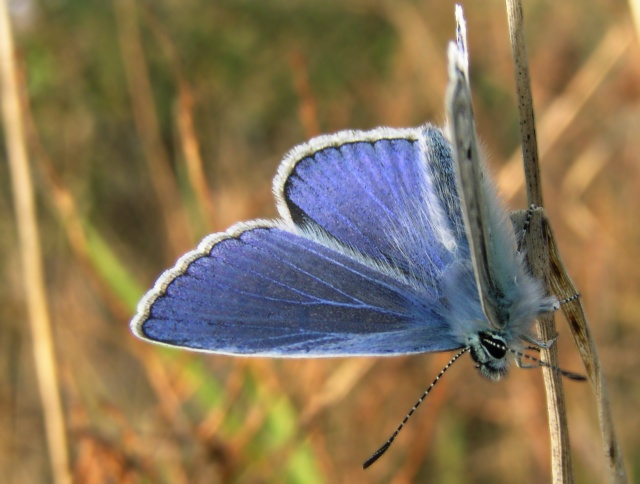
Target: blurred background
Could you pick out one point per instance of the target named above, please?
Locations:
(153, 123)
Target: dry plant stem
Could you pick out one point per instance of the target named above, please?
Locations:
(191, 152)
(560, 283)
(184, 116)
(537, 248)
(33, 273)
(525, 104)
(146, 120)
(564, 287)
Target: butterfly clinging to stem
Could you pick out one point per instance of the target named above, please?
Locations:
(389, 242)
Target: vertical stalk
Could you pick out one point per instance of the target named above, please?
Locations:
(537, 246)
(31, 257)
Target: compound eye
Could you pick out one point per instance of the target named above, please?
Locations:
(494, 345)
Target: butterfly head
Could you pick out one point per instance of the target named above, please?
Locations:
(489, 350)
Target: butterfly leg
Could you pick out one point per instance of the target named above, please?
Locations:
(526, 366)
(537, 347)
(569, 299)
(539, 344)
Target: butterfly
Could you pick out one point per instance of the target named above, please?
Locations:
(388, 242)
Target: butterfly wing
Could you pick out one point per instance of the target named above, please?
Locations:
(388, 193)
(261, 290)
(491, 238)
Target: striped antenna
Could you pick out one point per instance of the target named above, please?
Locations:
(378, 453)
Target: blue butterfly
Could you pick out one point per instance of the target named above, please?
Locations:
(369, 258)
(389, 242)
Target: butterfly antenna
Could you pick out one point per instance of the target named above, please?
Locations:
(378, 453)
